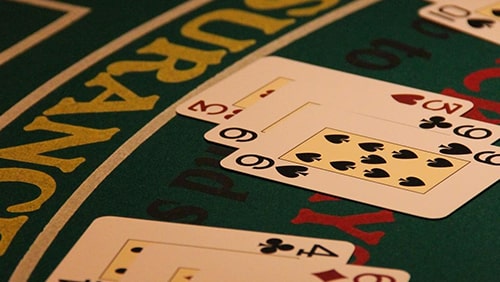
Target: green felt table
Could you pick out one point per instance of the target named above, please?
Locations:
(70, 152)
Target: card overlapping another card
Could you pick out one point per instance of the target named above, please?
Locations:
(111, 245)
(480, 18)
(270, 76)
(183, 263)
(248, 127)
(386, 163)
(259, 119)
(323, 86)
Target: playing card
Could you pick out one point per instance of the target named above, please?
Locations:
(268, 76)
(259, 119)
(479, 18)
(102, 253)
(338, 273)
(371, 160)
(158, 262)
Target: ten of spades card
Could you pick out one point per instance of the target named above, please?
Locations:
(480, 18)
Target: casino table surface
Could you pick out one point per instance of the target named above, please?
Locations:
(88, 126)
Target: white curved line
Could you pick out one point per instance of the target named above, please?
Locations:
(57, 222)
(50, 85)
(73, 14)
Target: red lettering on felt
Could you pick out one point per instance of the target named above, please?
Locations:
(318, 197)
(361, 255)
(348, 223)
(473, 81)
(479, 104)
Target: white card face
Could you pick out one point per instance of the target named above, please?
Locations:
(179, 263)
(480, 18)
(339, 273)
(165, 262)
(101, 253)
(268, 76)
(259, 119)
(374, 161)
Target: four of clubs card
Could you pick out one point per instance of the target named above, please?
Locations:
(125, 249)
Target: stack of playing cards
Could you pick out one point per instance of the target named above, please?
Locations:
(479, 18)
(125, 249)
(349, 136)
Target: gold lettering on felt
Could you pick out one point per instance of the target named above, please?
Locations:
(309, 10)
(8, 230)
(268, 25)
(374, 160)
(76, 136)
(47, 185)
(129, 101)
(166, 70)
(41, 180)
